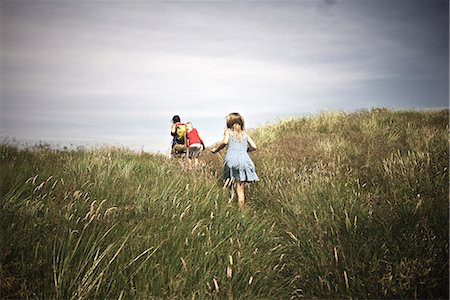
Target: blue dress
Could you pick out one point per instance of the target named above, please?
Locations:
(237, 163)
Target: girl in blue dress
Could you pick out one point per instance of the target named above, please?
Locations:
(238, 166)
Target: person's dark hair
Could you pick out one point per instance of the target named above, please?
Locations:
(176, 119)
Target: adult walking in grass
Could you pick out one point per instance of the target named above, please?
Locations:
(178, 132)
(238, 168)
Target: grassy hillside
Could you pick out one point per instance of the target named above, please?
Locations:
(349, 205)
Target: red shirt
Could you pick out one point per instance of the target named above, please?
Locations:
(193, 137)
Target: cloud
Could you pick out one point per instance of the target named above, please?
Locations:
(121, 70)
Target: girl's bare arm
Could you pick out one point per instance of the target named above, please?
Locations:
(251, 144)
(223, 143)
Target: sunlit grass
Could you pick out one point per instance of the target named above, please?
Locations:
(349, 205)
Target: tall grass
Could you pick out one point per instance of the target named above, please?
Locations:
(349, 205)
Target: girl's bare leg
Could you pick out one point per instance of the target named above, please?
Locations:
(240, 193)
(228, 185)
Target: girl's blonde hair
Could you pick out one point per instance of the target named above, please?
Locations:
(235, 122)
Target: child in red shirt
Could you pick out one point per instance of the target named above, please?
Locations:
(194, 143)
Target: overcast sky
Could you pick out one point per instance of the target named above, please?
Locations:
(116, 72)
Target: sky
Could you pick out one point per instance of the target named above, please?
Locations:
(115, 72)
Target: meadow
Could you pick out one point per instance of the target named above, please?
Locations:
(350, 205)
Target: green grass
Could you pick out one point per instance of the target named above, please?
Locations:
(350, 205)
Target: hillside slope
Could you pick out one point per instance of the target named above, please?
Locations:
(349, 205)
